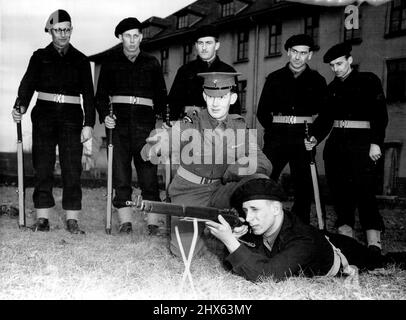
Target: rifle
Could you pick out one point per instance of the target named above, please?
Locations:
(20, 162)
(202, 214)
(109, 172)
(168, 166)
(315, 181)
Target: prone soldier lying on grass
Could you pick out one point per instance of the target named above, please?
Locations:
(286, 246)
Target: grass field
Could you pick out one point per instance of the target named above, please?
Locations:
(58, 265)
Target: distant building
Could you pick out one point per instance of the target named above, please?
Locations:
(253, 33)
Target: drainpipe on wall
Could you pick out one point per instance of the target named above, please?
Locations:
(255, 77)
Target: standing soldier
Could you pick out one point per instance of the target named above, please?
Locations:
(357, 114)
(291, 96)
(133, 82)
(216, 149)
(186, 90)
(60, 74)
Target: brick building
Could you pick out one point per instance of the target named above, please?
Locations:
(252, 34)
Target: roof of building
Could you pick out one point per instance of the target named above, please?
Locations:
(203, 12)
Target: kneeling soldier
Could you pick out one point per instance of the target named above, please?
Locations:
(216, 151)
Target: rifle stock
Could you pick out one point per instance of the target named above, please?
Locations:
(20, 166)
(315, 181)
(168, 165)
(186, 212)
(109, 174)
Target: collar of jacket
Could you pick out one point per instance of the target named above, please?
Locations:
(290, 74)
(353, 74)
(51, 48)
(215, 61)
(205, 116)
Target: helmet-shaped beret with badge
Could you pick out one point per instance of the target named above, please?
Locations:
(57, 16)
(218, 84)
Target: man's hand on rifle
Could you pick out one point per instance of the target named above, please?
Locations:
(110, 122)
(310, 144)
(18, 114)
(86, 134)
(225, 234)
(375, 152)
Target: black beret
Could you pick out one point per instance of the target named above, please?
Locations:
(299, 40)
(257, 189)
(57, 16)
(336, 51)
(127, 24)
(207, 30)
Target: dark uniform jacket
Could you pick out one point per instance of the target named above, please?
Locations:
(358, 97)
(119, 76)
(71, 75)
(207, 161)
(283, 94)
(297, 248)
(187, 87)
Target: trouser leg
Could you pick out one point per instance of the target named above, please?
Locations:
(189, 194)
(44, 140)
(122, 170)
(356, 253)
(365, 180)
(147, 174)
(341, 189)
(279, 158)
(301, 176)
(70, 158)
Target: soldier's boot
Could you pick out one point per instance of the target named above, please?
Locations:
(374, 241)
(72, 217)
(42, 223)
(157, 224)
(346, 230)
(125, 218)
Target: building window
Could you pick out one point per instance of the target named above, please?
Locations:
(242, 95)
(182, 21)
(242, 45)
(396, 84)
(187, 52)
(353, 35)
(146, 33)
(311, 28)
(164, 60)
(275, 37)
(227, 9)
(397, 16)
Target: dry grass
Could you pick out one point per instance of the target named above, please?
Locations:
(58, 265)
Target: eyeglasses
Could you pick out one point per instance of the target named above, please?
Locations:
(65, 30)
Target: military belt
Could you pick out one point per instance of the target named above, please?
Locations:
(132, 100)
(351, 124)
(194, 178)
(58, 98)
(292, 119)
(340, 263)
